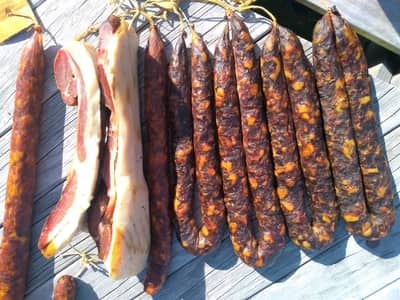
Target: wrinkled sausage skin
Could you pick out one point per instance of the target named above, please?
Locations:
(311, 146)
(255, 252)
(194, 149)
(256, 149)
(374, 165)
(156, 160)
(337, 123)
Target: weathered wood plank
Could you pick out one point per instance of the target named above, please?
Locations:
(377, 20)
(389, 292)
(382, 72)
(396, 80)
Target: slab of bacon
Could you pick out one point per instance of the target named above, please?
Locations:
(119, 216)
(75, 71)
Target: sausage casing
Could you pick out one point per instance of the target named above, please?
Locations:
(256, 149)
(312, 150)
(15, 249)
(374, 165)
(337, 123)
(156, 160)
(254, 252)
(194, 137)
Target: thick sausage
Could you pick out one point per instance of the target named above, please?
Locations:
(271, 229)
(156, 160)
(65, 288)
(337, 123)
(374, 165)
(290, 181)
(15, 249)
(197, 241)
(307, 122)
(255, 137)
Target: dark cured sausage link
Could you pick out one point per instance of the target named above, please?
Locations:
(374, 165)
(310, 137)
(208, 174)
(180, 117)
(156, 160)
(233, 165)
(65, 288)
(290, 181)
(337, 123)
(194, 240)
(256, 147)
(15, 250)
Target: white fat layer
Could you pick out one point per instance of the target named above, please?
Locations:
(86, 171)
(130, 240)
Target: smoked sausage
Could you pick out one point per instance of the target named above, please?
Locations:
(15, 249)
(307, 121)
(271, 229)
(156, 160)
(255, 142)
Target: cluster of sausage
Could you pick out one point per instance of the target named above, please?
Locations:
(274, 139)
(226, 139)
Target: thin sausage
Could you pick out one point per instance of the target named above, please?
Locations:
(374, 165)
(312, 150)
(15, 249)
(255, 138)
(271, 229)
(156, 160)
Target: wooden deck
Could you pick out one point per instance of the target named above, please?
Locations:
(377, 20)
(348, 269)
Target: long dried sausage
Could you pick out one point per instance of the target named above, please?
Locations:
(290, 182)
(156, 160)
(65, 288)
(15, 249)
(312, 150)
(337, 123)
(380, 216)
(194, 150)
(255, 142)
(271, 240)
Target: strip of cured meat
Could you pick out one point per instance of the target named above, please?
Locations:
(65, 288)
(312, 153)
(271, 229)
(196, 156)
(75, 71)
(156, 164)
(15, 249)
(119, 217)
